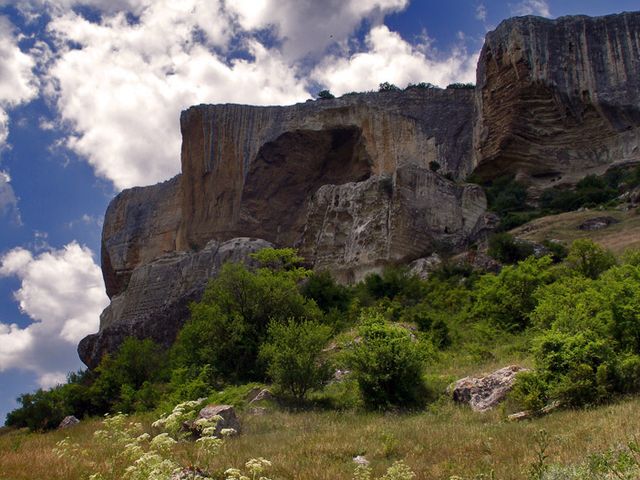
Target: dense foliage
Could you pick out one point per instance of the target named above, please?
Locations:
(575, 313)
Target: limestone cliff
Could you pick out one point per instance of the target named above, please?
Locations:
(558, 99)
(348, 181)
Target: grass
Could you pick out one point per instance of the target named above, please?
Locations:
(564, 227)
(318, 445)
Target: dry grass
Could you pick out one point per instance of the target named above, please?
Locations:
(617, 237)
(320, 445)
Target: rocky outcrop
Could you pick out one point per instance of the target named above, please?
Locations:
(558, 99)
(348, 180)
(155, 303)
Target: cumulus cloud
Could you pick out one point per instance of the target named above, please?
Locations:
(62, 292)
(309, 26)
(531, 7)
(481, 12)
(389, 58)
(115, 77)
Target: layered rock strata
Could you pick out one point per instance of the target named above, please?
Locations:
(558, 99)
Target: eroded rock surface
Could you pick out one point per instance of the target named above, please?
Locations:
(558, 99)
(484, 393)
(347, 180)
(155, 303)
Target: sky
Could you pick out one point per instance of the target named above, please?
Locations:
(90, 97)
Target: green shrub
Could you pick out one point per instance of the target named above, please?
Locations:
(293, 355)
(387, 364)
(589, 259)
(388, 87)
(461, 86)
(325, 95)
(505, 194)
(505, 248)
(328, 295)
(530, 391)
(228, 326)
(507, 299)
(422, 86)
(120, 377)
(394, 282)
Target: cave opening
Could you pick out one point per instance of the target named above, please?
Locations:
(289, 170)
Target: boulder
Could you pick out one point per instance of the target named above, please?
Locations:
(228, 414)
(262, 395)
(597, 223)
(484, 393)
(67, 422)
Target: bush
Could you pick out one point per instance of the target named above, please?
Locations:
(589, 259)
(461, 86)
(395, 282)
(507, 249)
(328, 295)
(120, 377)
(507, 299)
(421, 86)
(505, 194)
(387, 364)
(293, 356)
(388, 87)
(229, 324)
(325, 95)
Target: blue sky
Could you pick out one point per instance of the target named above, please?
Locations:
(90, 97)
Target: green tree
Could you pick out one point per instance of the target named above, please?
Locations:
(230, 323)
(387, 364)
(507, 299)
(325, 95)
(589, 259)
(293, 355)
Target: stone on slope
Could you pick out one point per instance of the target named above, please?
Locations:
(227, 412)
(484, 393)
(68, 421)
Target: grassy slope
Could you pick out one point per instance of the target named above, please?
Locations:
(320, 445)
(617, 237)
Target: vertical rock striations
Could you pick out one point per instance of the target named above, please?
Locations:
(348, 181)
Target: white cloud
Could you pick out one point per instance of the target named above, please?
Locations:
(8, 199)
(63, 293)
(481, 12)
(531, 7)
(309, 26)
(137, 78)
(389, 58)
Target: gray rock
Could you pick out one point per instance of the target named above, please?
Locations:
(190, 473)
(597, 223)
(67, 422)
(484, 393)
(155, 303)
(423, 267)
(228, 414)
(361, 460)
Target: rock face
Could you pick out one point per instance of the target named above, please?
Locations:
(155, 303)
(348, 180)
(484, 393)
(558, 99)
(68, 422)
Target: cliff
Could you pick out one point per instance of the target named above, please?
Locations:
(558, 99)
(348, 181)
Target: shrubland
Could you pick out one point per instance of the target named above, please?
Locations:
(400, 339)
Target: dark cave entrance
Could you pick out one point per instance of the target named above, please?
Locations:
(289, 170)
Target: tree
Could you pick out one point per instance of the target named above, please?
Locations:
(294, 356)
(388, 87)
(229, 324)
(589, 259)
(387, 364)
(325, 95)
